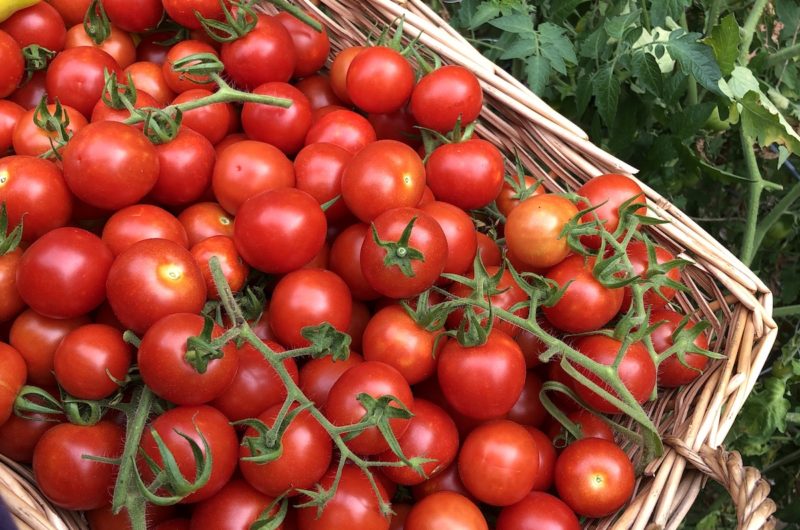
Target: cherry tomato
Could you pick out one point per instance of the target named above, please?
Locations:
(538, 511)
(375, 379)
(31, 93)
(446, 95)
(379, 80)
(29, 139)
(637, 254)
(285, 128)
(358, 323)
(446, 509)
(63, 273)
(212, 121)
(118, 44)
(197, 423)
(510, 199)
(636, 370)
(431, 434)
(305, 457)
(483, 381)
(498, 462)
(594, 477)
(509, 294)
(444, 480)
(265, 54)
(345, 260)
(590, 424)
(10, 115)
(344, 128)
(383, 175)
(13, 64)
(489, 250)
(317, 376)
(233, 268)
(36, 338)
(19, 436)
(38, 24)
(311, 46)
(528, 410)
(353, 505)
(154, 278)
(185, 167)
(76, 77)
(205, 219)
(393, 337)
(187, 12)
(339, 69)
(398, 125)
(104, 519)
(236, 506)
(318, 169)
(547, 459)
(91, 361)
(608, 193)
(149, 77)
(467, 174)
(533, 230)
(586, 304)
(256, 386)
(13, 373)
(110, 165)
(11, 304)
(411, 266)
(308, 297)
(671, 371)
(279, 230)
(139, 222)
(72, 11)
(165, 361)
(248, 168)
(65, 477)
(181, 82)
(135, 16)
(102, 111)
(34, 190)
(317, 88)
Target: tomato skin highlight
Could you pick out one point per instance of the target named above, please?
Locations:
(594, 477)
(69, 261)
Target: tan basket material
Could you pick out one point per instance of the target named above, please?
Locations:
(693, 420)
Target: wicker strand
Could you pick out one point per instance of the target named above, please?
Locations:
(748, 489)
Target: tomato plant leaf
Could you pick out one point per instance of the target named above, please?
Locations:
(556, 47)
(562, 9)
(537, 69)
(483, 14)
(763, 122)
(645, 68)
(518, 23)
(695, 58)
(594, 43)
(583, 93)
(724, 40)
(661, 9)
(606, 93)
(520, 49)
(616, 26)
(764, 413)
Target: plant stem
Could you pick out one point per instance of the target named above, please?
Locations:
(753, 199)
(713, 15)
(786, 311)
(749, 30)
(783, 54)
(646, 15)
(775, 215)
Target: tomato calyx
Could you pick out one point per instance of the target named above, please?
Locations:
(37, 58)
(683, 342)
(266, 445)
(235, 26)
(431, 139)
(399, 253)
(118, 95)
(55, 124)
(35, 400)
(9, 241)
(96, 23)
(326, 340)
(202, 349)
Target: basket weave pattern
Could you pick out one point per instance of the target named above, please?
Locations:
(693, 420)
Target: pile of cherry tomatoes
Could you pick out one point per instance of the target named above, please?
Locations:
(252, 281)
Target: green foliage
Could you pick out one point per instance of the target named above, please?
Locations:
(667, 86)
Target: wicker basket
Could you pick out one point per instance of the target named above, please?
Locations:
(692, 420)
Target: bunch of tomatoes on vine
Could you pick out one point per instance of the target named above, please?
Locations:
(250, 283)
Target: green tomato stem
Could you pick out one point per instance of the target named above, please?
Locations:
(755, 188)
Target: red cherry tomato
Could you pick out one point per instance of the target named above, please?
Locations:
(446, 509)
(547, 459)
(318, 376)
(149, 77)
(11, 303)
(509, 295)
(538, 511)
(233, 268)
(311, 46)
(265, 54)
(139, 222)
(376, 379)
(136, 16)
(317, 88)
(345, 260)
(92, 361)
(187, 12)
(339, 68)
(379, 80)
(637, 254)
(65, 477)
(76, 77)
(528, 410)
(468, 174)
(285, 128)
(237, 505)
(212, 121)
(186, 164)
(13, 373)
(181, 82)
(344, 128)
(318, 169)
(13, 64)
(151, 279)
(305, 457)
(672, 372)
(446, 95)
(118, 44)
(533, 230)
(38, 24)
(608, 193)
(586, 304)
(594, 477)
(205, 219)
